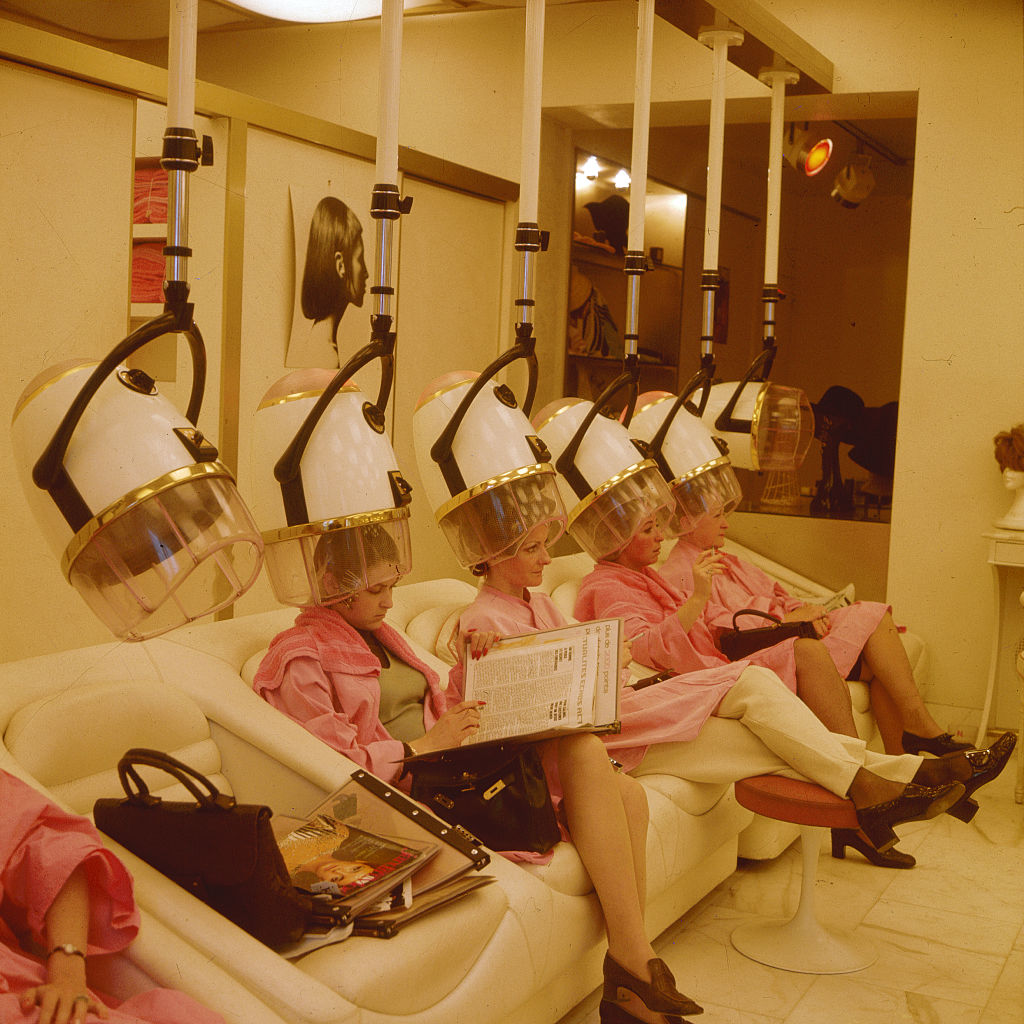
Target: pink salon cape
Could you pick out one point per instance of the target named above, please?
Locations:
(40, 846)
(648, 605)
(743, 585)
(670, 711)
(321, 673)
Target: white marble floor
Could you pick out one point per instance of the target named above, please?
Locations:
(950, 932)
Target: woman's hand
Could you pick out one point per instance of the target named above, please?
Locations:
(709, 564)
(64, 998)
(813, 613)
(479, 641)
(451, 729)
(62, 1002)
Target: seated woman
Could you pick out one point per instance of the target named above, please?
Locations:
(675, 636)
(352, 680)
(625, 585)
(714, 584)
(65, 897)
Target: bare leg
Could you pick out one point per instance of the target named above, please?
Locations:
(887, 717)
(820, 686)
(887, 658)
(607, 817)
(610, 840)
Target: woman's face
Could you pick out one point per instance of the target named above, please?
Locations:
(355, 270)
(343, 871)
(644, 546)
(709, 532)
(369, 607)
(526, 567)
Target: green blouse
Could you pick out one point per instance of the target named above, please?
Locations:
(403, 690)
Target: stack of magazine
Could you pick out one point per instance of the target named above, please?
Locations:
(376, 860)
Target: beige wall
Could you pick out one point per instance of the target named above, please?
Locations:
(963, 340)
(964, 301)
(63, 293)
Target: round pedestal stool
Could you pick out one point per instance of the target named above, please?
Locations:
(801, 943)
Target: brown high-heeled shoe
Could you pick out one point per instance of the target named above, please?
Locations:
(985, 766)
(891, 858)
(937, 745)
(659, 994)
(915, 803)
(614, 1013)
(974, 768)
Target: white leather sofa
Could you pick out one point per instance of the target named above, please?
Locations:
(522, 951)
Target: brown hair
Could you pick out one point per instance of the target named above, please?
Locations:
(1010, 448)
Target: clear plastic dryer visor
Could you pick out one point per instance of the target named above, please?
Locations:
(708, 491)
(700, 475)
(487, 523)
(323, 563)
(182, 549)
(606, 522)
(145, 520)
(766, 426)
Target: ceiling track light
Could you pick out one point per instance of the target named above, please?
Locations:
(854, 183)
(803, 154)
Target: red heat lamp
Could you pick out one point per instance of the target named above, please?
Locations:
(803, 156)
(819, 155)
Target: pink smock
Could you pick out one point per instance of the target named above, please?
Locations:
(322, 674)
(670, 711)
(40, 847)
(743, 585)
(648, 604)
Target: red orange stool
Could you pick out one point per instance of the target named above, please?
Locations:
(801, 943)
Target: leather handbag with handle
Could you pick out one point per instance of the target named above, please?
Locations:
(496, 791)
(222, 852)
(737, 643)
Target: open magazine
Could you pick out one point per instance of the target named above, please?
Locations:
(386, 861)
(549, 683)
(348, 868)
(367, 803)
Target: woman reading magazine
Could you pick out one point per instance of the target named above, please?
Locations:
(352, 680)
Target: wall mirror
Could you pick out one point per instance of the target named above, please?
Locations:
(597, 283)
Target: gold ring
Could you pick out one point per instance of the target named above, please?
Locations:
(87, 998)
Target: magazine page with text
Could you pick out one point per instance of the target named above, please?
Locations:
(548, 683)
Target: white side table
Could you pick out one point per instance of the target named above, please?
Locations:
(1005, 552)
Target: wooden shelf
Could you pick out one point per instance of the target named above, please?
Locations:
(597, 257)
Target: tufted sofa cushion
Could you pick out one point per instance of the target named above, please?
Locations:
(70, 741)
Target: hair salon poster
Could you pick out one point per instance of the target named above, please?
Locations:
(334, 239)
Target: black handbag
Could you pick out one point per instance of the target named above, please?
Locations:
(496, 791)
(737, 643)
(222, 852)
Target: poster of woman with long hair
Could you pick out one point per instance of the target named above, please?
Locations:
(330, 280)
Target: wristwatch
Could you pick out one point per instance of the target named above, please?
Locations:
(67, 949)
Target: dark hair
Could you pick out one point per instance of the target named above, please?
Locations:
(333, 228)
(348, 552)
